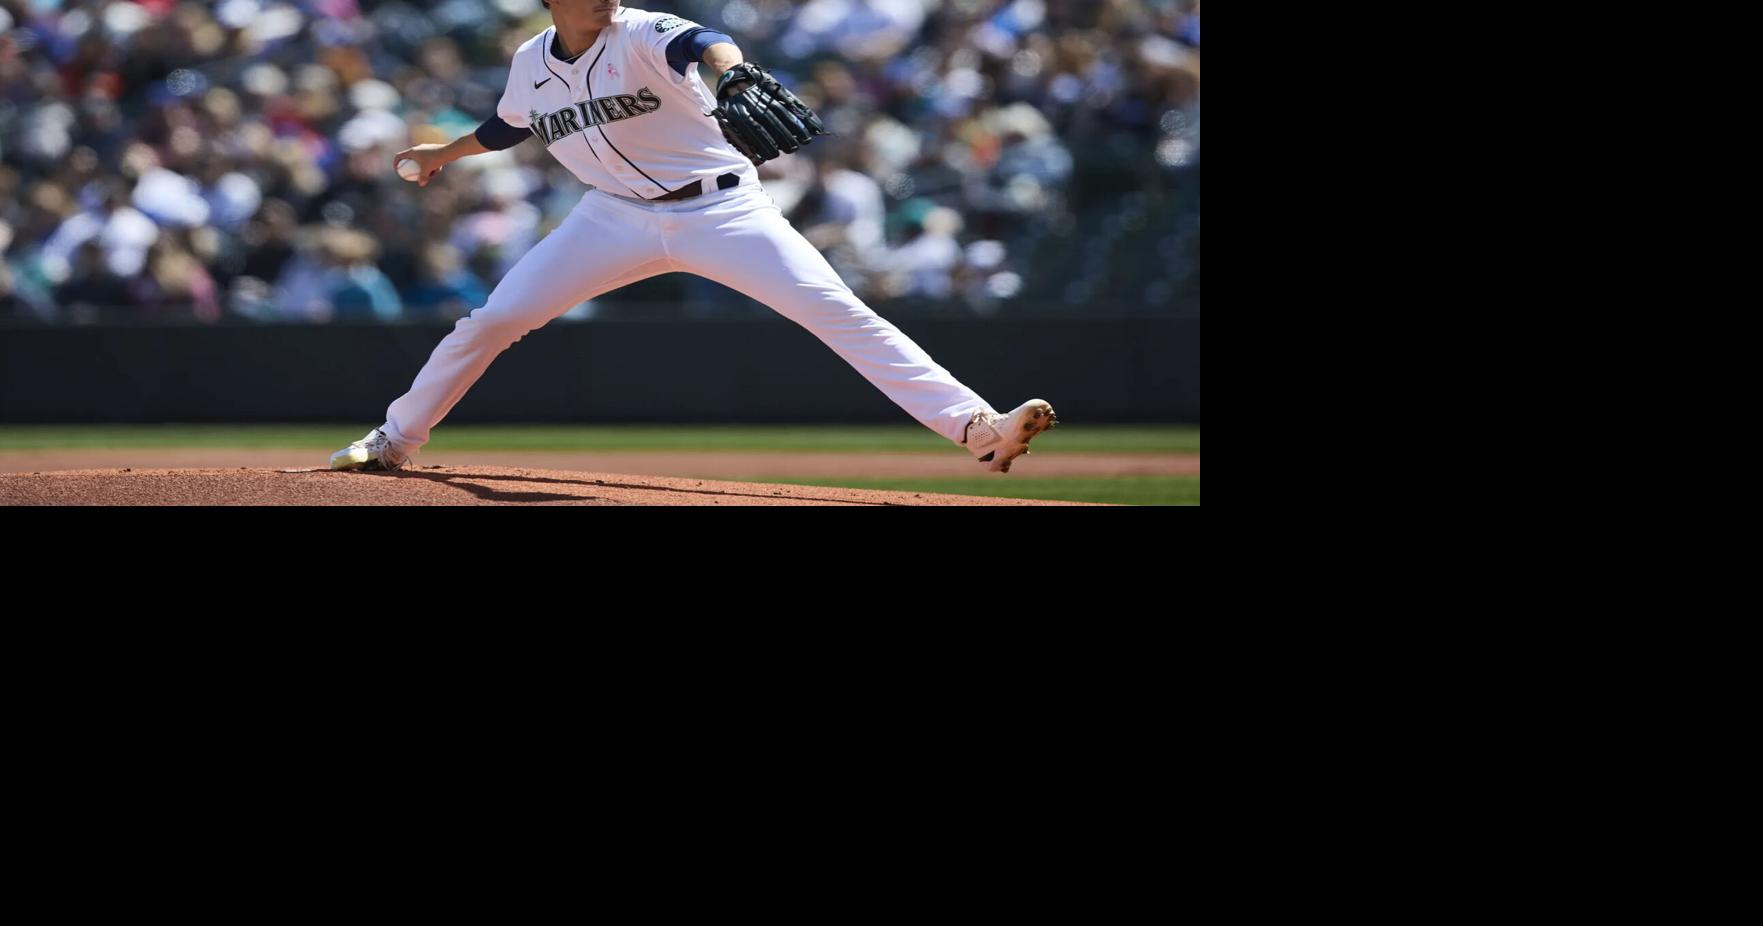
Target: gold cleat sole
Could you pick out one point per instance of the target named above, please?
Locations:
(1041, 418)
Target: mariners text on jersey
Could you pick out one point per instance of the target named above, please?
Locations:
(552, 127)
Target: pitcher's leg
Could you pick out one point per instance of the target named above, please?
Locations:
(756, 251)
(583, 258)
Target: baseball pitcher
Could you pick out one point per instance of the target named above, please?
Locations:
(614, 95)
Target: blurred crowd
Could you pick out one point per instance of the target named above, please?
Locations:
(231, 160)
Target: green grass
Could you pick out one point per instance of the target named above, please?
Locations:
(1114, 490)
(906, 438)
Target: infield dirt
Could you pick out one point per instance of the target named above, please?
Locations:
(433, 485)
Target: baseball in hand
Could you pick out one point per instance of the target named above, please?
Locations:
(410, 170)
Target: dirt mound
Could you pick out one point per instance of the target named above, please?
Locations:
(737, 465)
(431, 485)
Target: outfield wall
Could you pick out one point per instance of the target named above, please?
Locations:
(1119, 370)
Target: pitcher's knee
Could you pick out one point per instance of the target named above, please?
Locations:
(827, 306)
(487, 326)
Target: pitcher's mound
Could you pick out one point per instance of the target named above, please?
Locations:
(432, 485)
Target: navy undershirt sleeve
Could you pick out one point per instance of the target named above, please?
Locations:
(496, 135)
(688, 47)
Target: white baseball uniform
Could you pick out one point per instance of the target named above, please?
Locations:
(631, 126)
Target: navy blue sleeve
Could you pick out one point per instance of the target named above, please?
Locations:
(496, 135)
(688, 47)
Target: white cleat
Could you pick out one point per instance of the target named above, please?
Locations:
(373, 452)
(998, 439)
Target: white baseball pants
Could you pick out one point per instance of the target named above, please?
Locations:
(735, 237)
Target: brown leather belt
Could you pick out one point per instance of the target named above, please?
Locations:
(696, 188)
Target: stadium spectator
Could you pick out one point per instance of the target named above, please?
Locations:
(228, 160)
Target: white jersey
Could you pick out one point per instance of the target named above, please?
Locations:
(621, 118)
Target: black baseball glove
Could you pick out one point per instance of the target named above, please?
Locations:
(759, 117)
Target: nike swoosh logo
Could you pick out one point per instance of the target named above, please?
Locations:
(541, 83)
